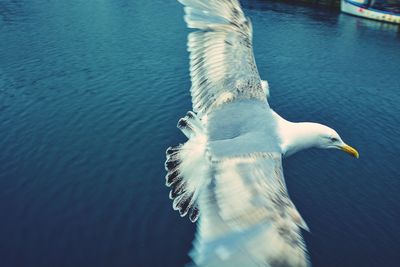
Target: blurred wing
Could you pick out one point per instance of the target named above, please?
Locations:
(251, 190)
(222, 65)
(248, 218)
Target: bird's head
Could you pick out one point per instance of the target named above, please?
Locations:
(329, 138)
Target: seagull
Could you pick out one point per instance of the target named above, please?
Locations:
(228, 175)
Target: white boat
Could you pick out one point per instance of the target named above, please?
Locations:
(372, 9)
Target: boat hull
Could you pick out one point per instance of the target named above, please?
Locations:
(365, 12)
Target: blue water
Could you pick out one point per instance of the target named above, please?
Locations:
(90, 93)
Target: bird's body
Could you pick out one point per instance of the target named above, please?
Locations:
(240, 191)
(228, 175)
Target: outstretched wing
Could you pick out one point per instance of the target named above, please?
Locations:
(222, 65)
(248, 218)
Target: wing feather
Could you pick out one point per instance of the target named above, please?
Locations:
(222, 65)
(248, 218)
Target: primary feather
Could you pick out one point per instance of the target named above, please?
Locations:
(222, 65)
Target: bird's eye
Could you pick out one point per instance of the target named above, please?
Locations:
(334, 139)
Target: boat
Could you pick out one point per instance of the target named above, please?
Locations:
(387, 11)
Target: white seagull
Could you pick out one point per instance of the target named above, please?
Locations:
(229, 172)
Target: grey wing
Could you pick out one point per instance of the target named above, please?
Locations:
(222, 65)
(248, 218)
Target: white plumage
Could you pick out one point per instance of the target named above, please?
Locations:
(228, 175)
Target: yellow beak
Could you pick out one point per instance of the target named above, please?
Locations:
(350, 150)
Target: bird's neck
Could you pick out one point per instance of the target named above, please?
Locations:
(296, 136)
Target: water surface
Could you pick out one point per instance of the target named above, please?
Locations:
(90, 93)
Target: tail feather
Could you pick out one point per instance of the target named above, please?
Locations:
(186, 167)
(171, 164)
(184, 203)
(179, 188)
(172, 177)
(171, 151)
(190, 125)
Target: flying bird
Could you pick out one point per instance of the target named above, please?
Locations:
(228, 175)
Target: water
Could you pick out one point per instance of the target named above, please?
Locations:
(90, 93)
